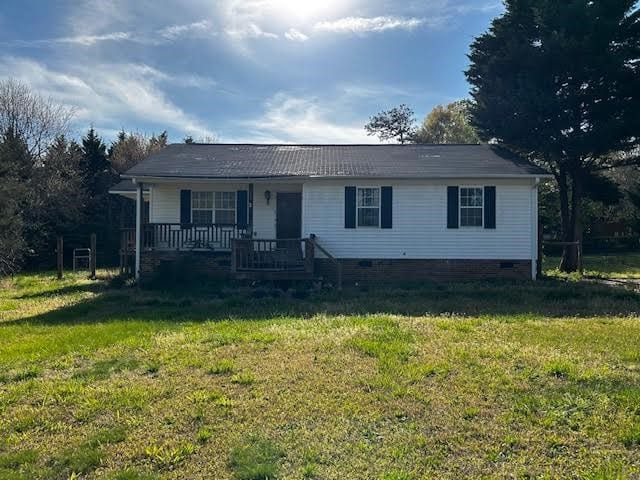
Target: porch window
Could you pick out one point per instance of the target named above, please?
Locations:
(368, 207)
(213, 207)
(471, 206)
(225, 204)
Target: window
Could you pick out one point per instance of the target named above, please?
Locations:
(471, 206)
(368, 204)
(213, 207)
(225, 203)
(202, 207)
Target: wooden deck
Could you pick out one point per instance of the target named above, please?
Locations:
(251, 259)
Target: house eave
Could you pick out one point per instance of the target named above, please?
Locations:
(302, 178)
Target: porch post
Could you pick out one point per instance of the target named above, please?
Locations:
(139, 204)
(250, 213)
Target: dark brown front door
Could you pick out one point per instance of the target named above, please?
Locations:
(289, 215)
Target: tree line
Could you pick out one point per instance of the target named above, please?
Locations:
(51, 185)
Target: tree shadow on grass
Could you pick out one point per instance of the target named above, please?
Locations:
(93, 287)
(505, 299)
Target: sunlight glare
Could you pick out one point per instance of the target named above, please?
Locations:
(305, 9)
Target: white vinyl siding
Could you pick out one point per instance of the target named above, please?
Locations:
(419, 218)
(420, 223)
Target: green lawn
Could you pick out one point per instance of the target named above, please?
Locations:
(501, 380)
(625, 265)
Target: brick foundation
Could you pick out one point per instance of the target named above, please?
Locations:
(217, 265)
(400, 270)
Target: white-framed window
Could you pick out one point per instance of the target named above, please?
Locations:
(213, 207)
(368, 206)
(225, 206)
(471, 206)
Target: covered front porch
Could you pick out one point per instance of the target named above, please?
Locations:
(255, 229)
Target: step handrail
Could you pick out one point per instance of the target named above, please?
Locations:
(334, 260)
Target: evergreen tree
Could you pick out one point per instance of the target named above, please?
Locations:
(15, 172)
(558, 82)
(98, 177)
(59, 199)
(97, 171)
(397, 124)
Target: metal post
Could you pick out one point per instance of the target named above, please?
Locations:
(60, 255)
(139, 203)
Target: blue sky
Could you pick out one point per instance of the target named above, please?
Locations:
(241, 70)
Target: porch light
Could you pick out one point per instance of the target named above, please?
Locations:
(267, 196)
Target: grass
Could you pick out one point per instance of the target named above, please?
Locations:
(473, 380)
(621, 266)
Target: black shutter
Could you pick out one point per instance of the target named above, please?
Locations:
(185, 206)
(242, 208)
(452, 207)
(386, 207)
(349, 207)
(489, 207)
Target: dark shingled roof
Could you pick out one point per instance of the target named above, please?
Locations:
(331, 161)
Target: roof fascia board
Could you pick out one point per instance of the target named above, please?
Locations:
(298, 179)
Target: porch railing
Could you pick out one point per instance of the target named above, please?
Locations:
(176, 236)
(282, 255)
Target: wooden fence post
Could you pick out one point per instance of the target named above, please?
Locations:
(92, 261)
(60, 255)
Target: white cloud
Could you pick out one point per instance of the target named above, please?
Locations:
(175, 31)
(88, 40)
(250, 30)
(156, 37)
(368, 24)
(300, 119)
(178, 80)
(109, 94)
(296, 35)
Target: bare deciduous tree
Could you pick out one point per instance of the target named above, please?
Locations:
(34, 118)
(128, 150)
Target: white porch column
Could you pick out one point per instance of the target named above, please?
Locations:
(139, 206)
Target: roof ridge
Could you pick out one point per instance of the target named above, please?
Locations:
(335, 144)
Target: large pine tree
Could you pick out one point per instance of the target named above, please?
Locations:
(59, 197)
(98, 177)
(15, 172)
(559, 82)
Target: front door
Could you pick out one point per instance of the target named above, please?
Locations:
(288, 215)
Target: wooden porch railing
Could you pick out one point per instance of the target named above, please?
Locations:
(176, 236)
(282, 255)
(336, 263)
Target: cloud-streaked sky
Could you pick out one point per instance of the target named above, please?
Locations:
(241, 70)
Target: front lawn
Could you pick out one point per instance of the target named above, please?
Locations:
(503, 380)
